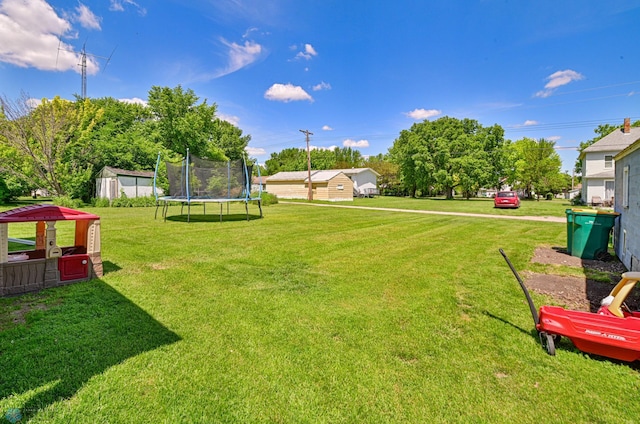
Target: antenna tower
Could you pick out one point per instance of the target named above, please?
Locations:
(83, 65)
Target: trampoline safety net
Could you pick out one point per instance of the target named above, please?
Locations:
(203, 179)
(196, 180)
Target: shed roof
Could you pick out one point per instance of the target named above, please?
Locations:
(118, 171)
(615, 141)
(353, 171)
(35, 213)
(316, 176)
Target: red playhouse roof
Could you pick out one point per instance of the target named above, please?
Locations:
(36, 213)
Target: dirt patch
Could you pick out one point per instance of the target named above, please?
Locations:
(19, 311)
(577, 293)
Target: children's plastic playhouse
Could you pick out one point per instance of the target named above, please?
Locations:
(47, 264)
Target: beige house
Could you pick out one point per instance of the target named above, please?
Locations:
(332, 185)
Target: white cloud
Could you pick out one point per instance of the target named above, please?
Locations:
(529, 122)
(255, 151)
(353, 143)
(423, 113)
(29, 37)
(286, 93)
(118, 6)
(558, 79)
(240, 56)
(134, 100)
(553, 138)
(326, 128)
(308, 53)
(232, 119)
(87, 18)
(322, 86)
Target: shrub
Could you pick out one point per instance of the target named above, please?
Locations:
(269, 199)
(100, 202)
(67, 202)
(577, 200)
(133, 202)
(549, 196)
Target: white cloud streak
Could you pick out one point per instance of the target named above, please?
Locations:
(232, 119)
(240, 56)
(286, 93)
(118, 6)
(30, 37)
(558, 79)
(308, 53)
(326, 128)
(352, 143)
(255, 151)
(420, 114)
(87, 18)
(322, 86)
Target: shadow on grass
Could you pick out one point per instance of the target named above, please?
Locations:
(108, 266)
(212, 218)
(88, 328)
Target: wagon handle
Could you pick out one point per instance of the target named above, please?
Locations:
(532, 307)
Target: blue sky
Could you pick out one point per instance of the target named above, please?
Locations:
(354, 73)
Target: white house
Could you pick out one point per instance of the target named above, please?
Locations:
(111, 183)
(627, 203)
(598, 164)
(365, 181)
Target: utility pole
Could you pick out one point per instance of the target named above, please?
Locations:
(307, 134)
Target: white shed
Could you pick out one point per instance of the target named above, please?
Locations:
(113, 182)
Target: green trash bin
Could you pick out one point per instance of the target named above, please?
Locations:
(590, 231)
(569, 213)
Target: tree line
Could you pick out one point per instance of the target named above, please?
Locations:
(60, 146)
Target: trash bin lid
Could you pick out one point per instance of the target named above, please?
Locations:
(591, 212)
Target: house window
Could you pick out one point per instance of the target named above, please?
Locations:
(625, 187)
(340, 187)
(608, 161)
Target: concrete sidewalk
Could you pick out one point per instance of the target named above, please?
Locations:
(472, 215)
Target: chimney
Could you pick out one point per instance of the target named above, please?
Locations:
(627, 125)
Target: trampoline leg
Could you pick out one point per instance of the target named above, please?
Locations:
(165, 210)
(189, 212)
(260, 207)
(246, 208)
(157, 206)
(220, 212)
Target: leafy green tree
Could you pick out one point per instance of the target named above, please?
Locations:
(294, 159)
(447, 154)
(46, 146)
(181, 123)
(388, 181)
(538, 166)
(124, 137)
(346, 157)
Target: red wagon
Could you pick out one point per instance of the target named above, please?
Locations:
(613, 331)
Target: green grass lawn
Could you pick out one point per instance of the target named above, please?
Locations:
(308, 315)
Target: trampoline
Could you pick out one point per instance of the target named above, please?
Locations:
(201, 181)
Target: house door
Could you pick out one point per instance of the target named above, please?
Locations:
(112, 189)
(609, 190)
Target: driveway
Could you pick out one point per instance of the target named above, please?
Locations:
(472, 215)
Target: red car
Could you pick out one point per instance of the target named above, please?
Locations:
(506, 199)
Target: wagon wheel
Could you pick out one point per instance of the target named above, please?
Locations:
(547, 341)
